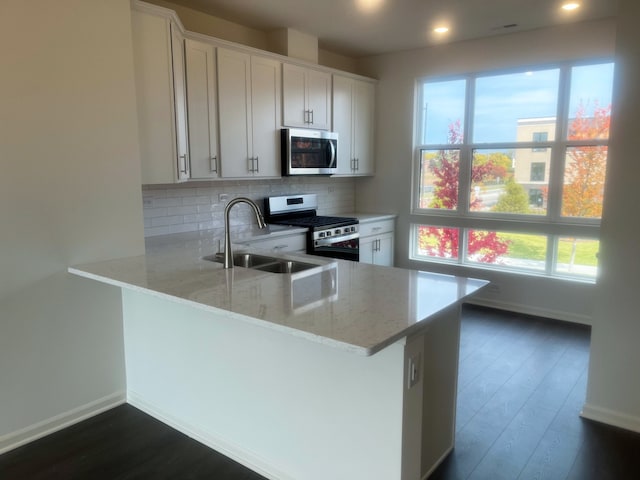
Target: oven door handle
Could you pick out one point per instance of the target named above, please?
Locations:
(338, 239)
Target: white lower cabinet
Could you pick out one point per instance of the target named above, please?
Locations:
(376, 242)
(296, 242)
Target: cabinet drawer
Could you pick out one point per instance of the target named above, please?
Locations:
(376, 228)
(281, 243)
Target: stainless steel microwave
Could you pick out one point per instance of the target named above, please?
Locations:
(309, 152)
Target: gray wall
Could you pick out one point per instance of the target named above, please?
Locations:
(69, 193)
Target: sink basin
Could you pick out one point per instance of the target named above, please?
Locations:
(285, 266)
(263, 262)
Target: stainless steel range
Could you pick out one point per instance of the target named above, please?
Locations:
(335, 237)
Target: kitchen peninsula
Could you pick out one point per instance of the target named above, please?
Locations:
(342, 371)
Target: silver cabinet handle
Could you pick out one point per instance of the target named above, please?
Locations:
(277, 248)
(311, 122)
(257, 169)
(213, 164)
(250, 164)
(184, 158)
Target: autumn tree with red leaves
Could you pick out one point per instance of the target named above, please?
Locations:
(485, 247)
(584, 173)
(585, 168)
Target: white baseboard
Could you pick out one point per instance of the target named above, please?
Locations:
(41, 429)
(535, 311)
(221, 445)
(611, 417)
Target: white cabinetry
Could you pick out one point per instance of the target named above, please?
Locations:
(202, 108)
(249, 108)
(161, 98)
(307, 97)
(353, 102)
(376, 241)
(295, 242)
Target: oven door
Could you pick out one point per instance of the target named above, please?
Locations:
(345, 247)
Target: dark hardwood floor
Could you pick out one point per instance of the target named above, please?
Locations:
(521, 386)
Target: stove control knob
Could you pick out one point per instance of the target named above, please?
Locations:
(321, 234)
(328, 234)
(337, 231)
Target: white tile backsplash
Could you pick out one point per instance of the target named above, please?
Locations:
(196, 206)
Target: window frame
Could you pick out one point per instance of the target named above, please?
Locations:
(552, 224)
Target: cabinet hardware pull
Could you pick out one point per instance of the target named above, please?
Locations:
(311, 117)
(277, 248)
(185, 170)
(257, 170)
(213, 164)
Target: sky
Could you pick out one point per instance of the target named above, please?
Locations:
(501, 100)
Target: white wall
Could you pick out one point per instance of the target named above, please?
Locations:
(69, 193)
(613, 394)
(389, 190)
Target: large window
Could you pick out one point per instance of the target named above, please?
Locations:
(511, 167)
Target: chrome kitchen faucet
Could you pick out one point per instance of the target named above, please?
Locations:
(228, 255)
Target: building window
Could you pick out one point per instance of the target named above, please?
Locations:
(510, 169)
(537, 171)
(540, 137)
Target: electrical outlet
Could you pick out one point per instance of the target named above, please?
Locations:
(415, 370)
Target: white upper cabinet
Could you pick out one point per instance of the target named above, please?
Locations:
(249, 108)
(307, 97)
(161, 101)
(353, 102)
(202, 109)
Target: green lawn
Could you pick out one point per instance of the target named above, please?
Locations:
(533, 247)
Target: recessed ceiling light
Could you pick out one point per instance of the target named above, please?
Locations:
(369, 5)
(442, 29)
(571, 6)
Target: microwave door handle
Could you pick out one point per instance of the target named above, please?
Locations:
(332, 163)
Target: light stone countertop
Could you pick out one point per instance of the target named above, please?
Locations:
(353, 306)
(369, 217)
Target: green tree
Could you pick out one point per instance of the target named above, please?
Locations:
(514, 199)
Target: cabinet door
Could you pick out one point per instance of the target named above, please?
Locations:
(180, 98)
(265, 111)
(343, 122)
(234, 102)
(366, 249)
(363, 103)
(154, 94)
(383, 250)
(319, 99)
(293, 92)
(202, 109)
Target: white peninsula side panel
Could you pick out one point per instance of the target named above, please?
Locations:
(285, 407)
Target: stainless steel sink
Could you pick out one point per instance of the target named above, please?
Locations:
(263, 262)
(285, 266)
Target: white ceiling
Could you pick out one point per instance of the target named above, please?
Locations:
(398, 24)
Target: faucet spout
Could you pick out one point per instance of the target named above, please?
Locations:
(228, 255)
